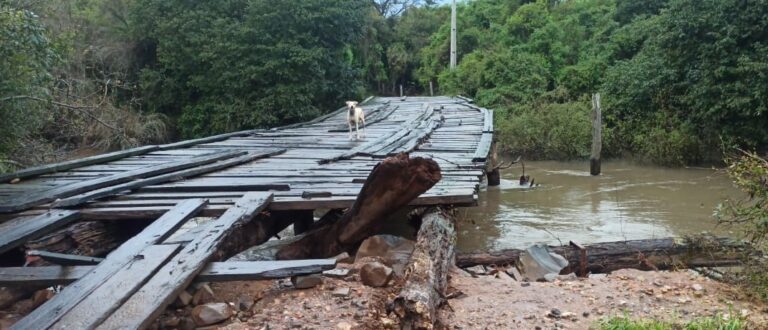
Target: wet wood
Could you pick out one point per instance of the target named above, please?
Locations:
(174, 176)
(24, 202)
(392, 184)
(426, 276)
(649, 254)
(64, 259)
(16, 232)
(63, 166)
(50, 312)
(84, 238)
(44, 276)
(148, 302)
(597, 135)
(97, 306)
(262, 270)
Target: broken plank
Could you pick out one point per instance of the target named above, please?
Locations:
(261, 270)
(215, 138)
(50, 312)
(24, 202)
(149, 302)
(42, 276)
(109, 191)
(64, 259)
(19, 230)
(483, 148)
(58, 167)
(95, 308)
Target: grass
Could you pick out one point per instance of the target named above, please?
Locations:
(710, 323)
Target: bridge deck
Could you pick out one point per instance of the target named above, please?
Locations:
(307, 166)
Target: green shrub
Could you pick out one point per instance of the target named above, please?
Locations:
(712, 323)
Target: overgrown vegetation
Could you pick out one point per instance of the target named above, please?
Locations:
(681, 80)
(711, 323)
(750, 172)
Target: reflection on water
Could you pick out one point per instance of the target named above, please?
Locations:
(627, 202)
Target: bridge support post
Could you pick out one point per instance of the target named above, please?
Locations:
(492, 167)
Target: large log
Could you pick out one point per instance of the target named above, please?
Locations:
(391, 185)
(427, 272)
(647, 254)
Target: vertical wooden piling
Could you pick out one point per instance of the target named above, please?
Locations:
(401, 90)
(597, 138)
(492, 173)
(431, 90)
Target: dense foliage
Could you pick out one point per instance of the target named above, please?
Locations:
(681, 80)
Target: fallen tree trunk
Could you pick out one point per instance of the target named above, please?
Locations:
(648, 254)
(426, 277)
(391, 185)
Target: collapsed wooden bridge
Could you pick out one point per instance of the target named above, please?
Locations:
(287, 171)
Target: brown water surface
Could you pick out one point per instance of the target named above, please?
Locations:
(628, 201)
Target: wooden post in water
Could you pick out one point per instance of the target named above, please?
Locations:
(597, 135)
(493, 175)
(431, 90)
(401, 90)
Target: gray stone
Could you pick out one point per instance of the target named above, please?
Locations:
(183, 299)
(203, 295)
(212, 313)
(375, 274)
(306, 281)
(187, 323)
(395, 251)
(337, 273)
(244, 302)
(341, 292)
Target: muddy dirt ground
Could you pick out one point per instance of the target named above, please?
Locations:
(490, 302)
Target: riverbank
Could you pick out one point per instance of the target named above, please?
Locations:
(491, 302)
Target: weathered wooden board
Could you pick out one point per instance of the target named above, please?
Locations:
(20, 203)
(213, 272)
(97, 306)
(15, 232)
(148, 302)
(50, 312)
(58, 167)
(86, 197)
(65, 259)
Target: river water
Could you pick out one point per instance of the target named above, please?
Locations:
(628, 201)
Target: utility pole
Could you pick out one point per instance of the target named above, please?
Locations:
(453, 35)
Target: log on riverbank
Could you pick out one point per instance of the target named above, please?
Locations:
(648, 254)
(426, 277)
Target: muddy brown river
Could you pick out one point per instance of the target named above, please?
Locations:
(628, 201)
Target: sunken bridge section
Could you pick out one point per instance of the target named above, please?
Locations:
(307, 166)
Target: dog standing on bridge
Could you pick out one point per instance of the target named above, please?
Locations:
(355, 115)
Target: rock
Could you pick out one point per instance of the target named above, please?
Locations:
(525, 284)
(598, 276)
(183, 299)
(551, 277)
(171, 322)
(697, 287)
(344, 258)
(375, 274)
(41, 296)
(306, 281)
(244, 302)
(556, 313)
(337, 273)
(585, 314)
(536, 262)
(394, 250)
(211, 313)
(204, 294)
(343, 326)
(341, 292)
(187, 323)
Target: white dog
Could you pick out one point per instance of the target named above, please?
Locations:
(355, 115)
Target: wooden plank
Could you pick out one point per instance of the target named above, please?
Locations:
(20, 203)
(213, 272)
(42, 276)
(65, 259)
(50, 312)
(483, 148)
(19, 230)
(63, 166)
(95, 308)
(261, 270)
(149, 302)
(109, 191)
(215, 138)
